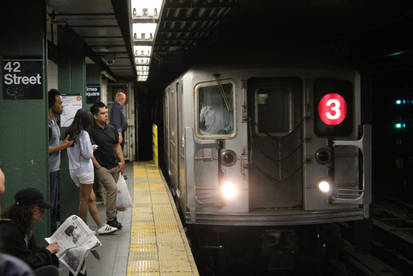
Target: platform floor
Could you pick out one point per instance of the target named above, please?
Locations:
(152, 240)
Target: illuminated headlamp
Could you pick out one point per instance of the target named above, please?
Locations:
(324, 186)
(228, 190)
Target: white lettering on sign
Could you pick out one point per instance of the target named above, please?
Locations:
(14, 67)
(15, 79)
(335, 108)
(90, 94)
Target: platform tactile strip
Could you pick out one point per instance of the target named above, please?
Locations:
(158, 243)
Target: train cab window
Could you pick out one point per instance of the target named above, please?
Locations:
(215, 110)
(273, 111)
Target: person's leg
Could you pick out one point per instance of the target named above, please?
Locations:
(97, 189)
(122, 146)
(123, 139)
(54, 200)
(108, 182)
(93, 210)
(112, 220)
(85, 191)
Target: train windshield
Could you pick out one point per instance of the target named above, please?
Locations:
(216, 110)
(273, 110)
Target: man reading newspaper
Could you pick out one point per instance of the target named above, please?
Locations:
(76, 240)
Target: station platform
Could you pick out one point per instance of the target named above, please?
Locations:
(152, 240)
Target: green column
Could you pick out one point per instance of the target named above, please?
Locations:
(23, 123)
(71, 81)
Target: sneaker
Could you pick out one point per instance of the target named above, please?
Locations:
(106, 229)
(115, 223)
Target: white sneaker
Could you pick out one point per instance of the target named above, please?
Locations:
(106, 229)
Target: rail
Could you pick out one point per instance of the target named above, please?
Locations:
(358, 196)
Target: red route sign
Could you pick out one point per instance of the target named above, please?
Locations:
(332, 109)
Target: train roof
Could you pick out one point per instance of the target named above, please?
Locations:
(281, 56)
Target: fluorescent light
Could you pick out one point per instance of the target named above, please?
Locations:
(146, 8)
(142, 68)
(142, 50)
(144, 31)
(140, 78)
(142, 60)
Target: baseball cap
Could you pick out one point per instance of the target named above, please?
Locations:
(31, 196)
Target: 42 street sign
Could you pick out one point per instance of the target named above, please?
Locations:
(22, 78)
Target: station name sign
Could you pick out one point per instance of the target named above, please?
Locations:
(92, 93)
(22, 78)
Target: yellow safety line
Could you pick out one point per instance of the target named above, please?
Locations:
(158, 243)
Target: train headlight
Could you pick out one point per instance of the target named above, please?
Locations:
(324, 186)
(229, 190)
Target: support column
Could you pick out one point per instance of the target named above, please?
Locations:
(72, 81)
(23, 119)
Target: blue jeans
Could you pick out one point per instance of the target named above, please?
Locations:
(54, 200)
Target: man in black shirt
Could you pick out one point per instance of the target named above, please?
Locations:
(107, 159)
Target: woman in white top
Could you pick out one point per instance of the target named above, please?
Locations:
(81, 167)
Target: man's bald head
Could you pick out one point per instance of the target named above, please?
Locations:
(120, 98)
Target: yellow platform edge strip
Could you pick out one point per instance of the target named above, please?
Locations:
(158, 244)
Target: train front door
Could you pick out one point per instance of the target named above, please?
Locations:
(275, 143)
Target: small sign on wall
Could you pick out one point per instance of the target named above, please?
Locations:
(92, 93)
(22, 78)
(71, 104)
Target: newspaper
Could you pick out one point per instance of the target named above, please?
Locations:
(75, 241)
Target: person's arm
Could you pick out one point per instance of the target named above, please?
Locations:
(96, 163)
(85, 145)
(2, 180)
(119, 153)
(64, 145)
(14, 244)
(120, 137)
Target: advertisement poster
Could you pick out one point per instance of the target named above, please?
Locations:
(71, 104)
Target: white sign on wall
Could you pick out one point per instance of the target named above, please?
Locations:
(71, 104)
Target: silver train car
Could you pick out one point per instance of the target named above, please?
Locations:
(276, 141)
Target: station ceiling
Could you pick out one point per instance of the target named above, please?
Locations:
(189, 29)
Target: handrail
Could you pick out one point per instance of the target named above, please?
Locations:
(364, 144)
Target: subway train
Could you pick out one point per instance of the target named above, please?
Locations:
(267, 140)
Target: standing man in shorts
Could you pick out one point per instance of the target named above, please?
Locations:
(107, 159)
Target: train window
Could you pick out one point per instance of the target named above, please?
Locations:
(333, 101)
(273, 111)
(216, 110)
